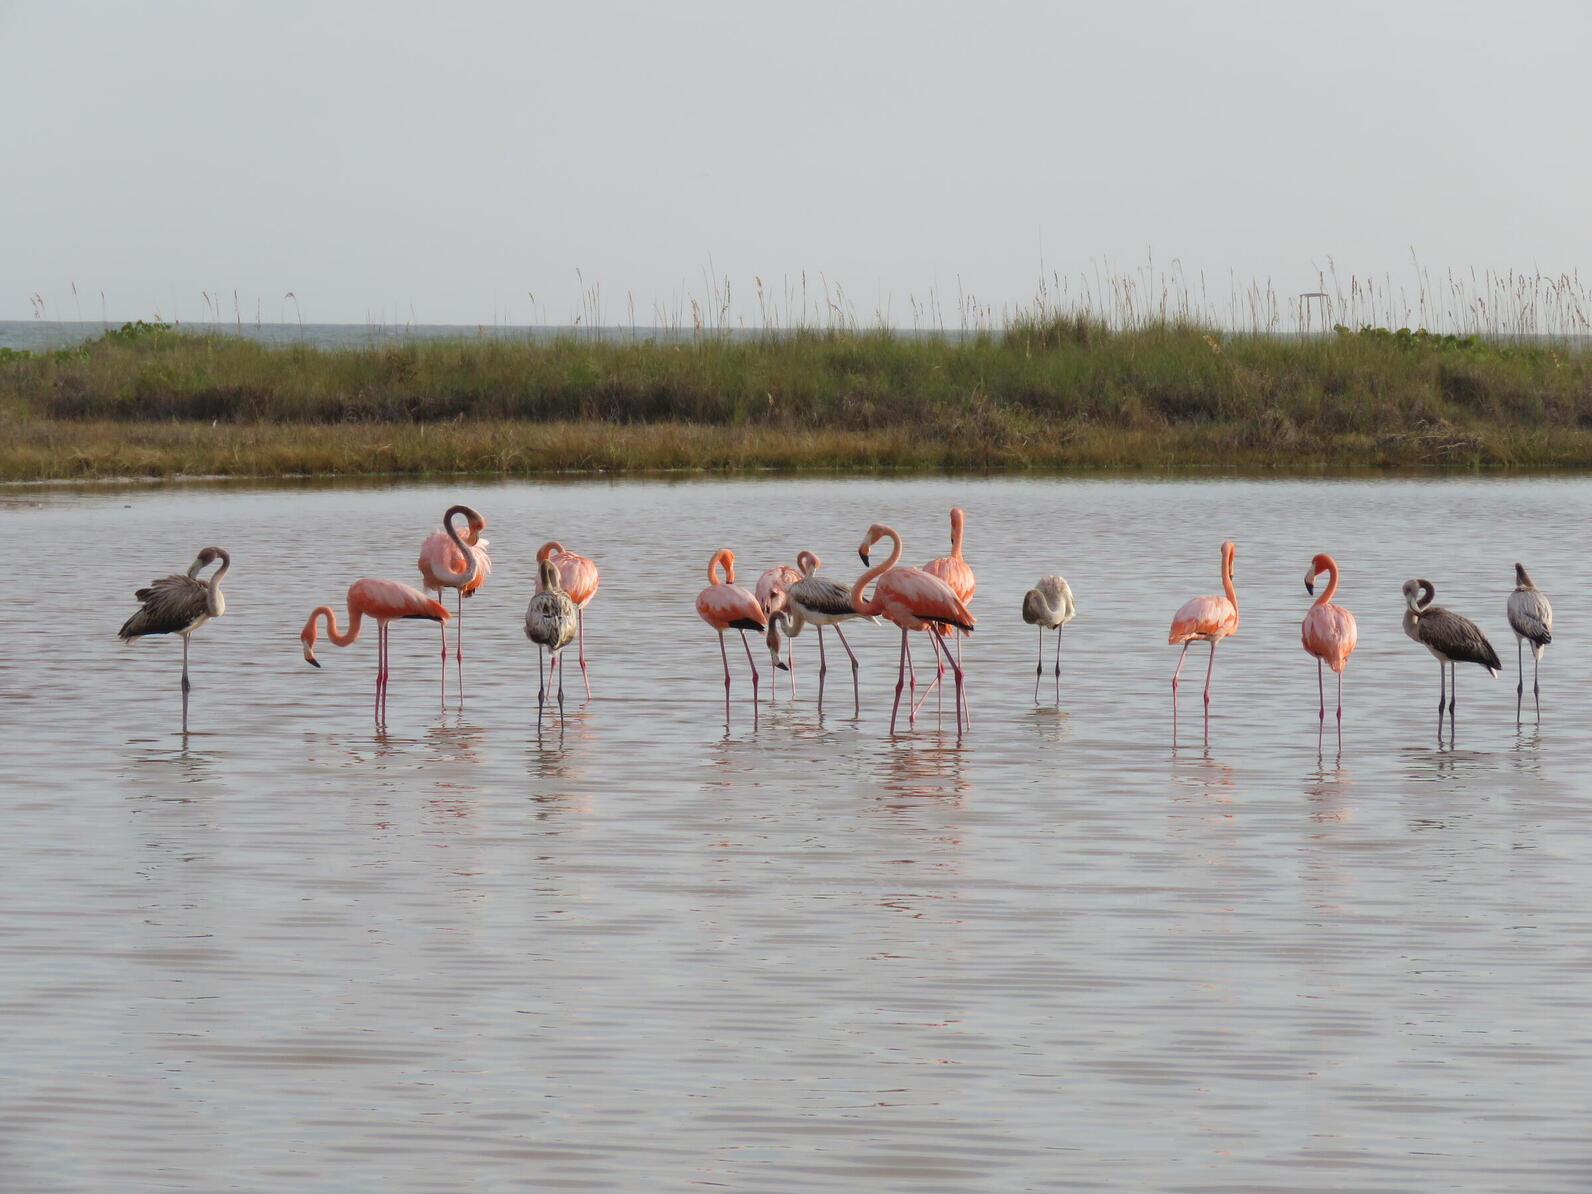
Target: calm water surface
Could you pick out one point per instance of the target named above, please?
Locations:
(1060, 954)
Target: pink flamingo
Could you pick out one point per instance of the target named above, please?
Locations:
(1205, 619)
(956, 573)
(725, 605)
(450, 561)
(913, 600)
(578, 577)
(773, 594)
(1328, 630)
(383, 600)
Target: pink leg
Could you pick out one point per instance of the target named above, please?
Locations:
(1175, 673)
(790, 664)
(956, 670)
(912, 684)
(823, 669)
(856, 697)
(1210, 668)
(751, 663)
(901, 667)
(558, 665)
(458, 643)
(442, 629)
(724, 655)
(1321, 690)
(967, 713)
(580, 634)
(376, 705)
(1340, 702)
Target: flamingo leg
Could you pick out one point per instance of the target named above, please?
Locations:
(187, 687)
(790, 663)
(724, 655)
(823, 669)
(1039, 668)
(541, 685)
(961, 687)
(1058, 667)
(967, 712)
(751, 663)
(458, 643)
(1520, 670)
(558, 666)
(1209, 670)
(1321, 691)
(442, 629)
(1536, 690)
(1442, 689)
(381, 640)
(580, 634)
(912, 685)
(1340, 702)
(901, 668)
(856, 696)
(1175, 672)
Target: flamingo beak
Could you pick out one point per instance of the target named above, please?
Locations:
(309, 658)
(1310, 586)
(862, 554)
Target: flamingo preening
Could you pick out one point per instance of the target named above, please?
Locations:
(453, 561)
(1531, 618)
(1451, 638)
(958, 575)
(180, 605)
(1049, 606)
(579, 578)
(1205, 619)
(385, 601)
(551, 619)
(1328, 631)
(913, 600)
(772, 593)
(725, 605)
(822, 602)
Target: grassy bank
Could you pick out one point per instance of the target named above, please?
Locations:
(1063, 393)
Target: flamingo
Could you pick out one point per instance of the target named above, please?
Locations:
(550, 621)
(1531, 618)
(383, 600)
(1205, 619)
(1049, 606)
(725, 605)
(956, 573)
(180, 605)
(822, 602)
(1451, 638)
(1328, 631)
(578, 577)
(448, 560)
(913, 600)
(771, 592)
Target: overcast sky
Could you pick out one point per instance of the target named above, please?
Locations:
(443, 162)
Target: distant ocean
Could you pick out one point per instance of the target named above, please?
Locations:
(37, 334)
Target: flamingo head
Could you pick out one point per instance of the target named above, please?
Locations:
(1523, 578)
(807, 563)
(547, 577)
(1321, 563)
(550, 548)
(477, 525)
(308, 639)
(1418, 594)
(875, 533)
(206, 557)
(775, 622)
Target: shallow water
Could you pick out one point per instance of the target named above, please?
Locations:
(294, 953)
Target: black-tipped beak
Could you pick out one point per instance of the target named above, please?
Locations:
(1310, 588)
(784, 667)
(863, 556)
(312, 661)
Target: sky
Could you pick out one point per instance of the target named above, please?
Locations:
(505, 161)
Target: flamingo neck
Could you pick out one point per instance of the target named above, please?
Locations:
(957, 521)
(1332, 582)
(1227, 580)
(858, 601)
(213, 600)
(338, 638)
(472, 563)
(806, 563)
(549, 549)
(727, 557)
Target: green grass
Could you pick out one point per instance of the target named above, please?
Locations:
(1063, 392)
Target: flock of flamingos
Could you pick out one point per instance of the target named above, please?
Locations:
(933, 599)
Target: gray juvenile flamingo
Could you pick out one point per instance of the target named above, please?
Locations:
(1451, 638)
(1531, 618)
(822, 602)
(1049, 606)
(180, 605)
(551, 620)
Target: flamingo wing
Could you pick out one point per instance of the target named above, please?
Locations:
(730, 607)
(913, 598)
(392, 599)
(1329, 633)
(1203, 618)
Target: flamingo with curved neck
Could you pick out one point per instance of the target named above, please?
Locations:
(955, 572)
(1328, 631)
(913, 600)
(383, 600)
(460, 562)
(180, 605)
